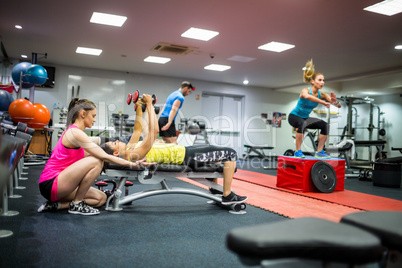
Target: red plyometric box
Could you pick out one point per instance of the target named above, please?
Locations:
(295, 173)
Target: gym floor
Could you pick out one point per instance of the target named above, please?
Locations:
(160, 231)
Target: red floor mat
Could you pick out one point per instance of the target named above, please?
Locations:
(345, 198)
(284, 203)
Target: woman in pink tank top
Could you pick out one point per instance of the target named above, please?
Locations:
(75, 164)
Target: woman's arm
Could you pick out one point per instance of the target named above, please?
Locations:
(153, 129)
(305, 95)
(331, 99)
(77, 138)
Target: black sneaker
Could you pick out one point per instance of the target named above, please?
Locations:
(232, 198)
(82, 208)
(214, 191)
(48, 206)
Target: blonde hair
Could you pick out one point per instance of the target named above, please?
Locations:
(309, 72)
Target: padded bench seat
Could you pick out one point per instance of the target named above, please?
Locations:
(169, 168)
(304, 239)
(258, 150)
(387, 225)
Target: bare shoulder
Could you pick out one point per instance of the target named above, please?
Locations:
(304, 92)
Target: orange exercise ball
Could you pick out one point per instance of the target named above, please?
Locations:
(41, 116)
(21, 110)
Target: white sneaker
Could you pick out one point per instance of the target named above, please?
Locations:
(82, 208)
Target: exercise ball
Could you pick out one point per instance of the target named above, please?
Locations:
(36, 75)
(41, 116)
(194, 128)
(21, 68)
(5, 100)
(21, 110)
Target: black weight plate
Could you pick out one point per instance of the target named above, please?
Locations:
(289, 152)
(323, 176)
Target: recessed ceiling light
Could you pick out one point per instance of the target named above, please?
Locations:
(160, 60)
(18, 27)
(88, 51)
(245, 82)
(398, 47)
(199, 34)
(24, 56)
(241, 59)
(217, 67)
(387, 7)
(276, 46)
(107, 19)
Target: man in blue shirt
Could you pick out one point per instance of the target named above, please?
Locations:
(167, 128)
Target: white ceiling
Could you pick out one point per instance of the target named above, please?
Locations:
(344, 40)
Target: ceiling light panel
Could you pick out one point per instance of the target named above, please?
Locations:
(217, 67)
(160, 60)
(108, 19)
(199, 34)
(276, 46)
(387, 7)
(88, 51)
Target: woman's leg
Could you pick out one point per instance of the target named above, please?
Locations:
(228, 171)
(299, 140)
(298, 123)
(74, 183)
(321, 142)
(315, 123)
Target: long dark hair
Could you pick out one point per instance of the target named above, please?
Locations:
(75, 106)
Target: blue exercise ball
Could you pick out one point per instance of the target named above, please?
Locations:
(5, 100)
(36, 74)
(21, 67)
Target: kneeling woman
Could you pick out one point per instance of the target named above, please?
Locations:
(76, 162)
(193, 156)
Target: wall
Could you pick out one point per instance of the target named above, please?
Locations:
(257, 101)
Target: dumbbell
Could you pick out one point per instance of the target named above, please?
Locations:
(101, 184)
(13, 129)
(136, 96)
(128, 184)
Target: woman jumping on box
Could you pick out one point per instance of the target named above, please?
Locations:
(309, 99)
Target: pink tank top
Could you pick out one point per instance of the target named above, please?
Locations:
(60, 159)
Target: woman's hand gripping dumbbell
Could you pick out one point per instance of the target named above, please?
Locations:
(137, 100)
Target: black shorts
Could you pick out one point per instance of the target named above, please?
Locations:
(202, 154)
(45, 188)
(171, 132)
(312, 123)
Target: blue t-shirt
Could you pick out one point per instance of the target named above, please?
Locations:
(176, 95)
(304, 106)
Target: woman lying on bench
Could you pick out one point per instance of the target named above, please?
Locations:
(169, 153)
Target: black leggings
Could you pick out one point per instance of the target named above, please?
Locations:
(312, 123)
(200, 155)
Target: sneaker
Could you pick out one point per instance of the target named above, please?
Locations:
(214, 191)
(299, 154)
(48, 206)
(82, 208)
(321, 154)
(232, 198)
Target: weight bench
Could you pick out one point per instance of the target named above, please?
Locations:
(259, 150)
(360, 238)
(156, 175)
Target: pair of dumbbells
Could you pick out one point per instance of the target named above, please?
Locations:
(134, 98)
